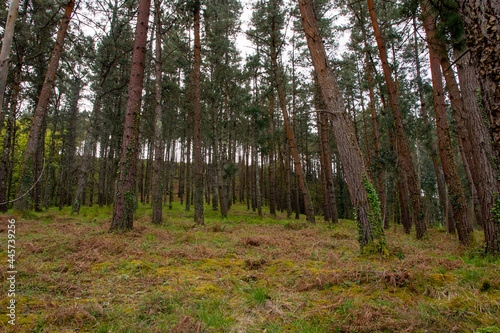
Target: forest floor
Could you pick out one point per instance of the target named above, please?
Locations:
(242, 274)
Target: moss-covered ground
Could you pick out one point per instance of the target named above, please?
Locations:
(241, 274)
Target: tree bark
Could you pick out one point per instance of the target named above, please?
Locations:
(8, 35)
(180, 192)
(484, 174)
(330, 203)
(188, 168)
(9, 132)
(482, 26)
(126, 197)
(376, 146)
(69, 150)
(402, 185)
(288, 129)
(272, 184)
(172, 173)
(455, 191)
(404, 149)
(159, 148)
(470, 156)
(197, 158)
(26, 176)
(370, 230)
(90, 143)
(424, 115)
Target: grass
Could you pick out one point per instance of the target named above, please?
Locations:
(241, 274)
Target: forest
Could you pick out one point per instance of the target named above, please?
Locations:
(250, 165)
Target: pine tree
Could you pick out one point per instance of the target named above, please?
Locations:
(363, 196)
(126, 199)
(27, 176)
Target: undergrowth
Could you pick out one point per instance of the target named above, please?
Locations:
(244, 273)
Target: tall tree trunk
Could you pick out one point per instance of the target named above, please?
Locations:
(328, 168)
(376, 146)
(90, 143)
(26, 177)
(159, 148)
(455, 191)
(424, 115)
(8, 35)
(247, 172)
(258, 183)
(39, 169)
(330, 206)
(242, 175)
(370, 229)
(197, 158)
(469, 154)
(188, 170)
(404, 149)
(288, 129)
(140, 183)
(147, 177)
(9, 132)
(105, 159)
(476, 206)
(482, 26)
(402, 186)
(126, 197)
(70, 144)
(363, 115)
(181, 173)
(272, 184)
(485, 175)
(172, 173)
(288, 182)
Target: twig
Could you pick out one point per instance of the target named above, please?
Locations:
(456, 60)
(28, 191)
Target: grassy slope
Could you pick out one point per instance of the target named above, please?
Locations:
(242, 274)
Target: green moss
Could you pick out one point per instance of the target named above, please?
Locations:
(136, 266)
(441, 279)
(102, 267)
(208, 288)
(485, 285)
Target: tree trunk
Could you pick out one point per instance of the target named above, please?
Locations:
(288, 129)
(368, 213)
(272, 184)
(482, 26)
(188, 169)
(89, 147)
(288, 182)
(468, 153)
(69, 149)
(9, 132)
(404, 149)
(197, 158)
(423, 114)
(180, 192)
(402, 185)
(172, 173)
(484, 174)
(126, 197)
(247, 173)
(8, 35)
(159, 148)
(330, 204)
(26, 177)
(455, 191)
(376, 146)
(147, 177)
